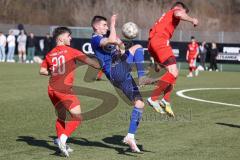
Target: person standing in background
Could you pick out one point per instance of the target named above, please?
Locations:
(11, 40)
(213, 57)
(202, 54)
(22, 41)
(3, 41)
(48, 45)
(31, 43)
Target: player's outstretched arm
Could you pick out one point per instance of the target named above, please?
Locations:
(43, 71)
(92, 62)
(89, 61)
(181, 14)
(112, 39)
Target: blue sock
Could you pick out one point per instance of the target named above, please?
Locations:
(139, 61)
(135, 119)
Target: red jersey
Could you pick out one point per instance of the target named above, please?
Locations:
(61, 63)
(165, 26)
(192, 50)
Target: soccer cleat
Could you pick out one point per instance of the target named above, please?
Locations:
(167, 107)
(155, 105)
(67, 146)
(62, 147)
(132, 144)
(190, 75)
(69, 149)
(98, 79)
(196, 72)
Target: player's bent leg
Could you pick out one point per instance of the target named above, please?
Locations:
(70, 126)
(165, 102)
(137, 56)
(75, 120)
(165, 81)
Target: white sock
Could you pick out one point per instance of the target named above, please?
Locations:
(164, 101)
(63, 139)
(130, 135)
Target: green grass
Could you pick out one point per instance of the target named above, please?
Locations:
(201, 131)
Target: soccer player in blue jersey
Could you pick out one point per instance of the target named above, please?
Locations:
(114, 60)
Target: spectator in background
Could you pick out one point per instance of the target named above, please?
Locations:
(238, 57)
(22, 41)
(3, 41)
(213, 57)
(203, 54)
(48, 44)
(31, 47)
(11, 40)
(20, 27)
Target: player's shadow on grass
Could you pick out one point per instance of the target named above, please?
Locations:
(38, 143)
(229, 125)
(86, 142)
(117, 140)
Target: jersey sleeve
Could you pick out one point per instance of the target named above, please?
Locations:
(78, 55)
(174, 10)
(44, 63)
(96, 41)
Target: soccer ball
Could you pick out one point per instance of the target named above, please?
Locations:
(130, 30)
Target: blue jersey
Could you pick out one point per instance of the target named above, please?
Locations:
(115, 67)
(105, 54)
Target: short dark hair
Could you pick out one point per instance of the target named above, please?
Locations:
(182, 5)
(192, 37)
(60, 30)
(97, 19)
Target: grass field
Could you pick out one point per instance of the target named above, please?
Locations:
(200, 131)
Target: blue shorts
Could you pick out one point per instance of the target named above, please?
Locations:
(122, 79)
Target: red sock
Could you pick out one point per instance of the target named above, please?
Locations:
(163, 83)
(168, 92)
(60, 127)
(194, 68)
(190, 69)
(71, 126)
(99, 75)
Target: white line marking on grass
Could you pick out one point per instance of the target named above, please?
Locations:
(181, 94)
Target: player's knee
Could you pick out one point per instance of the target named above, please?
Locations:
(76, 113)
(139, 104)
(76, 110)
(138, 46)
(134, 48)
(173, 70)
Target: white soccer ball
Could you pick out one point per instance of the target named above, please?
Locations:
(130, 30)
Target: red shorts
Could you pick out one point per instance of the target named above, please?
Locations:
(191, 61)
(63, 100)
(160, 50)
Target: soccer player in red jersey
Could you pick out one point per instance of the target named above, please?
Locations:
(161, 51)
(191, 57)
(60, 64)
